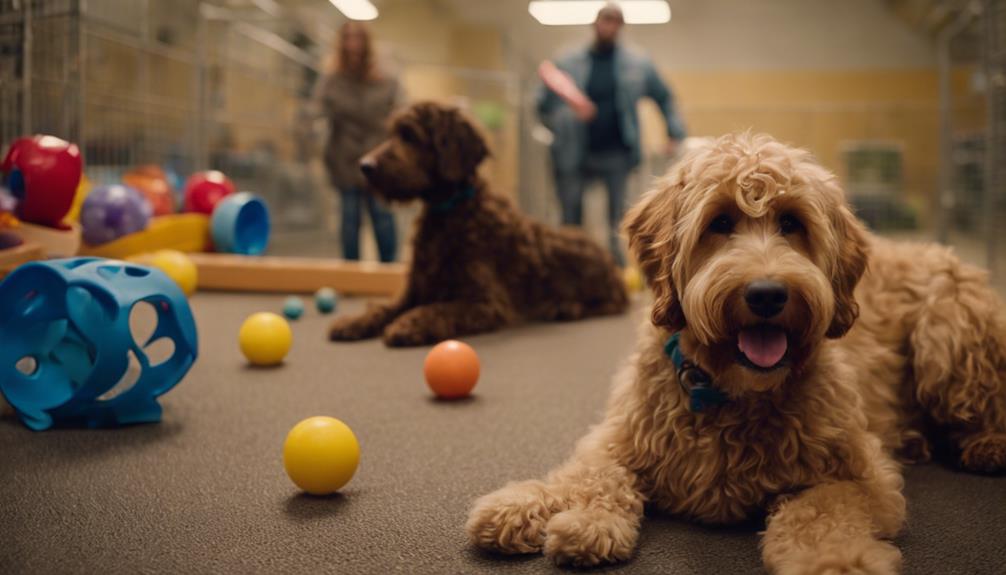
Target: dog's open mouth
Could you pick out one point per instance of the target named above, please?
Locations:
(762, 347)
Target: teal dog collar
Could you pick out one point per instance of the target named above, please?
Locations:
(454, 201)
(695, 382)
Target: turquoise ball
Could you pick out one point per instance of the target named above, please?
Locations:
(325, 300)
(293, 307)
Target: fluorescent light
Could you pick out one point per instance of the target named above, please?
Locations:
(356, 9)
(580, 12)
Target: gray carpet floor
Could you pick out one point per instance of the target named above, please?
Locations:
(205, 492)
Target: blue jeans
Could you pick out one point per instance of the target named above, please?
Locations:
(353, 200)
(613, 169)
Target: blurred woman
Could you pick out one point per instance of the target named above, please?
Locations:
(357, 97)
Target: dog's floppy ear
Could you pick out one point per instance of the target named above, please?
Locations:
(650, 227)
(459, 145)
(850, 265)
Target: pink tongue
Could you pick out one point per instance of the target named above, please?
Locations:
(763, 347)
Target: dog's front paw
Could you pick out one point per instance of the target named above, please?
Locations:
(864, 556)
(914, 447)
(588, 537)
(569, 311)
(352, 328)
(416, 327)
(405, 333)
(510, 520)
(985, 453)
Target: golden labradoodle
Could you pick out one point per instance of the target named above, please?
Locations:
(755, 389)
(478, 263)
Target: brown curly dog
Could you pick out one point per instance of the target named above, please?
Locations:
(772, 397)
(478, 263)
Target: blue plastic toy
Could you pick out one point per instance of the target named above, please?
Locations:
(240, 225)
(65, 340)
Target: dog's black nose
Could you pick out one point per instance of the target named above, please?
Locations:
(368, 166)
(766, 298)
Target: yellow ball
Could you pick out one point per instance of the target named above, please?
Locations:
(633, 279)
(265, 338)
(178, 267)
(320, 455)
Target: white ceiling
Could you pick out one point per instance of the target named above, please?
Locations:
(705, 34)
(736, 34)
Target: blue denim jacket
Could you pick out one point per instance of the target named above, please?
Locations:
(635, 77)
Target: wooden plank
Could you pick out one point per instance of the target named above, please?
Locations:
(57, 243)
(14, 257)
(228, 272)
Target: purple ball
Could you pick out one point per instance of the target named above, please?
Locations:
(110, 212)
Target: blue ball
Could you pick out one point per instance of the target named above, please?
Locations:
(325, 300)
(293, 307)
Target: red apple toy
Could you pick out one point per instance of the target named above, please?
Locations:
(43, 173)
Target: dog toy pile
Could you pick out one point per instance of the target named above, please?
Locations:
(49, 209)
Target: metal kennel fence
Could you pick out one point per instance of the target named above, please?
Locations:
(185, 84)
(971, 204)
(39, 44)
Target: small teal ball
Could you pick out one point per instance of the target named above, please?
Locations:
(325, 300)
(293, 307)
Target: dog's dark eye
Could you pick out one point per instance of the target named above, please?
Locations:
(409, 136)
(721, 224)
(789, 224)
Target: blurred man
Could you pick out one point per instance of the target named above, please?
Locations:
(589, 103)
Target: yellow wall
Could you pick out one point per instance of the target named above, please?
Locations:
(476, 46)
(822, 111)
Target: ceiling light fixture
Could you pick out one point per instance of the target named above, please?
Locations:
(580, 12)
(356, 9)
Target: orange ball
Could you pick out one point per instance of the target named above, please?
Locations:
(150, 181)
(451, 369)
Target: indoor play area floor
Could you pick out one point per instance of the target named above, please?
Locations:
(204, 491)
